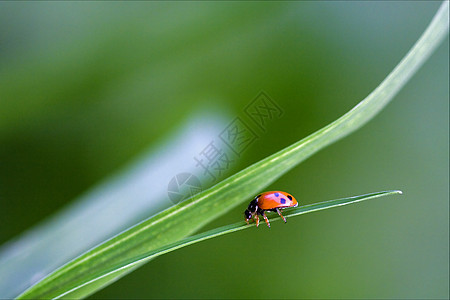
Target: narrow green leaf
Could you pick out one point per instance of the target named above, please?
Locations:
(229, 229)
(105, 207)
(182, 220)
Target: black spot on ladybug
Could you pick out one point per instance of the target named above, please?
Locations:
(290, 197)
(282, 201)
(276, 194)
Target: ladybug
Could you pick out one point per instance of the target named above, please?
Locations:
(269, 201)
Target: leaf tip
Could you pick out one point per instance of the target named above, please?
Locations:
(391, 192)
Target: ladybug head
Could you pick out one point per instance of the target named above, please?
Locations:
(247, 214)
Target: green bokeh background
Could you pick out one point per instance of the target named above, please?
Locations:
(86, 87)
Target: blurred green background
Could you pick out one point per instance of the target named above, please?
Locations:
(85, 88)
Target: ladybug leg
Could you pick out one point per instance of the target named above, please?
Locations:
(279, 212)
(265, 218)
(257, 220)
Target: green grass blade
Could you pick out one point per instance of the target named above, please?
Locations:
(180, 221)
(104, 207)
(229, 229)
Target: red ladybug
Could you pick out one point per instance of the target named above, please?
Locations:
(268, 201)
